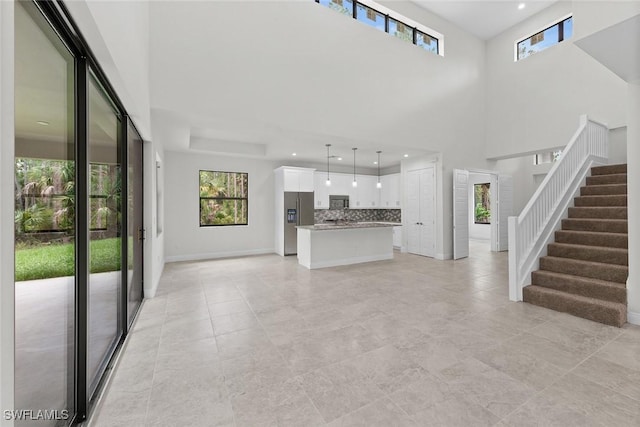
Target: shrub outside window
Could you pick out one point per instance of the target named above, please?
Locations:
(224, 198)
(482, 207)
(546, 38)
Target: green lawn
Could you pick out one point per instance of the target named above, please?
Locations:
(57, 260)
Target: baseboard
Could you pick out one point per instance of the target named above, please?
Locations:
(633, 318)
(218, 255)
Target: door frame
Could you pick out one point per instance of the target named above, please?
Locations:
(493, 180)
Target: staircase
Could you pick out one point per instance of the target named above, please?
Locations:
(586, 268)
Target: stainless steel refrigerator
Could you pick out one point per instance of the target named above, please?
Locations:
(298, 210)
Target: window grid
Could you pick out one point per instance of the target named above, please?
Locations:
(420, 38)
(224, 198)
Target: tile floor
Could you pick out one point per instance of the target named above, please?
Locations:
(261, 341)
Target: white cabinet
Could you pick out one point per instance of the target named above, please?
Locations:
(321, 190)
(390, 192)
(297, 179)
(397, 236)
(366, 193)
(341, 186)
(306, 180)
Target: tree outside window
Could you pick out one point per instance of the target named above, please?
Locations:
(482, 210)
(224, 198)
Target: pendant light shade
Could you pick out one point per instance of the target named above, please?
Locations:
(379, 184)
(328, 181)
(355, 183)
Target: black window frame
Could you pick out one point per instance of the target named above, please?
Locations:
(399, 21)
(561, 38)
(201, 198)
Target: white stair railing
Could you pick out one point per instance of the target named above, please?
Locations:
(533, 229)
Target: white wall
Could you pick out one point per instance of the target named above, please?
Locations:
(7, 296)
(618, 145)
(598, 15)
(534, 104)
(185, 239)
(118, 34)
(478, 231)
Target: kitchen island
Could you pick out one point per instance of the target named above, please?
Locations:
(329, 245)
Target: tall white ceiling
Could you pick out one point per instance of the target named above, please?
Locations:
(266, 79)
(485, 19)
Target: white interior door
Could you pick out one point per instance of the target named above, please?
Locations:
(412, 212)
(427, 212)
(460, 213)
(504, 210)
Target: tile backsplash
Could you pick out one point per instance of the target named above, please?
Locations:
(358, 215)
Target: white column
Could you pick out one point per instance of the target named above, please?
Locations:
(633, 182)
(7, 294)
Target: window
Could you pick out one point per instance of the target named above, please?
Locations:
(386, 20)
(481, 203)
(548, 37)
(224, 198)
(426, 42)
(344, 7)
(370, 17)
(400, 30)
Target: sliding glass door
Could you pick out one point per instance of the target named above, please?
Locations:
(44, 221)
(135, 230)
(105, 231)
(78, 220)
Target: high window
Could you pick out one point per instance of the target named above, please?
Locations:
(224, 198)
(541, 40)
(386, 20)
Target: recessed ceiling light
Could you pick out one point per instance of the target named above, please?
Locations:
(521, 6)
(339, 158)
(42, 123)
(293, 154)
(406, 155)
(375, 163)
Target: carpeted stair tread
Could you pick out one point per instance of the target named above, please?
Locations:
(589, 253)
(604, 189)
(598, 212)
(607, 312)
(592, 269)
(592, 238)
(595, 224)
(585, 286)
(617, 178)
(609, 169)
(601, 200)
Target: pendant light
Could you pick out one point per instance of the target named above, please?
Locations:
(355, 183)
(379, 184)
(328, 182)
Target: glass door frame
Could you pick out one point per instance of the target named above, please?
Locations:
(61, 21)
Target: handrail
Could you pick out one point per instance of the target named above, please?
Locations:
(533, 229)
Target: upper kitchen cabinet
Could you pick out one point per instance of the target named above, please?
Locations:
(390, 191)
(297, 179)
(321, 195)
(367, 195)
(341, 186)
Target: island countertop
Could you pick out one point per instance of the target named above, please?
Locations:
(325, 227)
